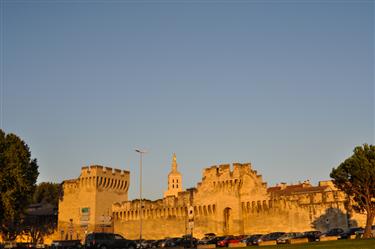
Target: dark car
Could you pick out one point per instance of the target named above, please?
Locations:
(171, 242)
(209, 238)
(157, 243)
(333, 232)
(186, 242)
(285, 238)
(352, 231)
(212, 241)
(361, 232)
(270, 236)
(149, 243)
(313, 235)
(251, 240)
(66, 244)
(108, 241)
(141, 244)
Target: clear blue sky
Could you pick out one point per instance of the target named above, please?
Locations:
(287, 86)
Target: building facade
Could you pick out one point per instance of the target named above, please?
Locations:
(230, 199)
(86, 202)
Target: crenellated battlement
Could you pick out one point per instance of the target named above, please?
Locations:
(70, 184)
(222, 177)
(98, 170)
(239, 169)
(100, 178)
(159, 209)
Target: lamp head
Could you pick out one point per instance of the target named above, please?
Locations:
(140, 151)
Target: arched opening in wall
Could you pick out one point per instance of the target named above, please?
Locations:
(227, 220)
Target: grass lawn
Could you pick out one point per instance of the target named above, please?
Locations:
(340, 244)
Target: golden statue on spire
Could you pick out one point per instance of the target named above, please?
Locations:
(174, 163)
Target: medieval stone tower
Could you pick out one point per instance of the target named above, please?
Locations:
(174, 180)
(86, 202)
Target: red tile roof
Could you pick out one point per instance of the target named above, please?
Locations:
(296, 189)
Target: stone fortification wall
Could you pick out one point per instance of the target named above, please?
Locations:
(225, 189)
(237, 201)
(296, 212)
(160, 217)
(216, 202)
(230, 199)
(86, 202)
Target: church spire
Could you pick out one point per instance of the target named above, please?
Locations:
(174, 179)
(174, 163)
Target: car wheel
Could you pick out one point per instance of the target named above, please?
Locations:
(131, 247)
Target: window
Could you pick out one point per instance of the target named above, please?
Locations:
(177, 186)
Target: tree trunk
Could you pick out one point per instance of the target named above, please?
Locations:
(370, 219)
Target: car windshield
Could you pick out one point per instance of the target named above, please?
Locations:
(118, 236)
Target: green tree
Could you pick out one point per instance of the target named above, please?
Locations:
(47, 192)
(18, 174)
(356, 177)
(40, 221)
(41, 217)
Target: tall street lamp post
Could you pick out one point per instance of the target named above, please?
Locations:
(141, 152)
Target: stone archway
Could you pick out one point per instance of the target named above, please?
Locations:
(227, 220)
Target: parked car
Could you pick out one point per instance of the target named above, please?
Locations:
(251, 240)
(229, 240)
(215, 240)
(225, 241)
(158, 243)
(283, 239)
(360, 233)
(187, 242)
(141, 244)
(209, 238)
(313, 235)
(108, 241)
(66, 244)
(171, 242)
(333, 232)
(270, 236)
(352, 231)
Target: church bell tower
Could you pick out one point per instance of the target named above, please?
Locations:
(174, 179)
